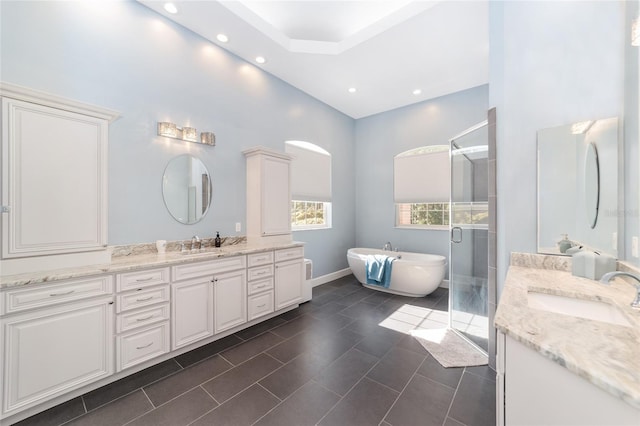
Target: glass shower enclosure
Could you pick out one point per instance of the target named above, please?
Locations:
(469, 219)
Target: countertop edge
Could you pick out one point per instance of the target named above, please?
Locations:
(136, 262)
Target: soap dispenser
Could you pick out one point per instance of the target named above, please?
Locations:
(217, 241)
(564, 244)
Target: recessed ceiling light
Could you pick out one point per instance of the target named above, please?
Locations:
(260, 59)
(171, 8)
(417, 92)
(222, 38)
(352, 90)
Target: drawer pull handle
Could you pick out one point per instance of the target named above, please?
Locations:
(144, 346)
(262, 306)
(61, 294)
(144, 279)
(144, 299)
(261, 273)
(145, 318)
(261, 286)
(260, 259)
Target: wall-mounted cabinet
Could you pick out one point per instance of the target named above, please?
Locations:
(54, 175)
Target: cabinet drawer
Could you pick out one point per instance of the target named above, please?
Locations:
(260, 272)
(287, 254)
(140, 318)
(141, 279)
(201, 269)
(259, 259)
(20, 299)
(260, 285)
(139, 346)
(260, 304)
(138, 299)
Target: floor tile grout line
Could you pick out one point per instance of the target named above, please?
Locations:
(143, 414)
(263, 387)
(455, 392)
(350, 389)
(402, 391)
(208, 393)
(208, 411)
(84, 404)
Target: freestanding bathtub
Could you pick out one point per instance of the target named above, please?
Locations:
(412, 274)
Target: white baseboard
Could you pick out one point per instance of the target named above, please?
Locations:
(344, 272)
(330, 277)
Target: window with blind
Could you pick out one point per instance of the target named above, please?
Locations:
(421, 186)
(310, 186)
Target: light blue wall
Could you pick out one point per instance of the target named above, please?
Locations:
(379, 138)
(123, 56)
(551, 63)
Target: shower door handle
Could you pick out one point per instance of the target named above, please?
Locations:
(453, 238)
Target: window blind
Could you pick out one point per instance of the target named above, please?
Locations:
(422, 177)
(310, 172)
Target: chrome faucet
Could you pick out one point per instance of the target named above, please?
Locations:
(387, 246)
(607, 277)
(196, 243)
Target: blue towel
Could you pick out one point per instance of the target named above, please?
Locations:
(378, 268)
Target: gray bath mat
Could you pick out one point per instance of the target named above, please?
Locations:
(448, 348)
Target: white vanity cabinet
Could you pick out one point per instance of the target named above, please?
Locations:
(191, 311)
(193, 302)
(268, 195)
(289, 276)
(142, 322)
(56, 337)
(260, 285)
(533, 390)
(54, 179)
(230, 300)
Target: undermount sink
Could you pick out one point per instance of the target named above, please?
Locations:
(588, 309)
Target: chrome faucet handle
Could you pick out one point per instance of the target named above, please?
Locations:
(609, 275)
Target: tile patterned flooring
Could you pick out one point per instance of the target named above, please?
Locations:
(342, 359)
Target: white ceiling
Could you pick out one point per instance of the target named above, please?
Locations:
(384, 48)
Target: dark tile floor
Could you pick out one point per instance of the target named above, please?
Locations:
(342, 359)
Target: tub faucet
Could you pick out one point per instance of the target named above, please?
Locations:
(196, 243)
(607, 277)
(387, 246)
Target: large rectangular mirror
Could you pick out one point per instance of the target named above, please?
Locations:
(578, 187)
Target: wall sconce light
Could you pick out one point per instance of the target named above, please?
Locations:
(189, 134)
(635, 32)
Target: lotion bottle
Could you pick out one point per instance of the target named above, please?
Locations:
(217, 241)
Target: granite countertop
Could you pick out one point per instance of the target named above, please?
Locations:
(139, 261)
(606, 355)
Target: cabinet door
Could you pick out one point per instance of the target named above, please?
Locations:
(192, 311)
(52, 351)
(54, 161)
(230, 296)
(288, 283)
(276, 197)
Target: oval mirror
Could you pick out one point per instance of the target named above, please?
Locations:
(591, 184)
(186, 189)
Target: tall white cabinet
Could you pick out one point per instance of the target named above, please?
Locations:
(268, 195)
(54, 180)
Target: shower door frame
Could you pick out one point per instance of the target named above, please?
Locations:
(451, 228)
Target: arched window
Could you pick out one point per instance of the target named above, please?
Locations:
(310, 186)
(421, 186)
